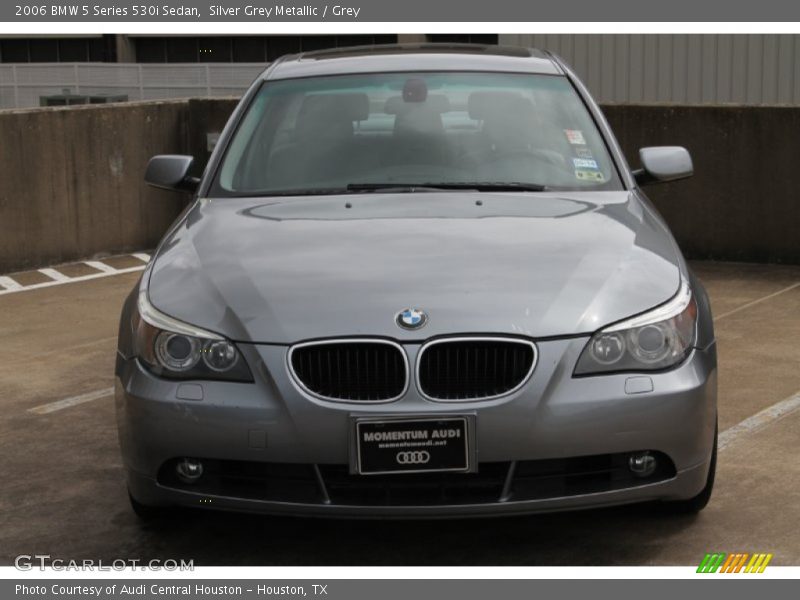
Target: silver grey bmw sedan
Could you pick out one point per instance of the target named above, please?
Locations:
(417, 282)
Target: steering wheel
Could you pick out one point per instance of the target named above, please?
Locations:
(493, 157)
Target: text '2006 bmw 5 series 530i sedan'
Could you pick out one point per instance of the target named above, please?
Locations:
(417, 282)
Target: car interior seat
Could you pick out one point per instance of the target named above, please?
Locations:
(322, 146)
(510, 127)
(418, 134)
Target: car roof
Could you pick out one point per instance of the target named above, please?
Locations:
(413, 57)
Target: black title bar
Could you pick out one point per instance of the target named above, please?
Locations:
(465, 11)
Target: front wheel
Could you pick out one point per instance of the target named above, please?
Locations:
(145, 512)
(697, 503)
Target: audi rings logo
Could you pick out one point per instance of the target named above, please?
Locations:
(417, 457)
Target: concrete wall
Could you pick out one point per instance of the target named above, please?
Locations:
(742, 202)
(206, 116)
(71, 181)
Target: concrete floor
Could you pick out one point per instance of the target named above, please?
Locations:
(63, 493)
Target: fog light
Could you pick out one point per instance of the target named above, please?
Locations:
(189, 470)
(642, 464)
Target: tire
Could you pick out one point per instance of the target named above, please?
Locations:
(694, 505)
(145, 512)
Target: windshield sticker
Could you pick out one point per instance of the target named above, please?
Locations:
(584, 163)
(583, 152)
(589, 175)
(575, 137)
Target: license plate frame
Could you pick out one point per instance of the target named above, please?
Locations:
(446, 452)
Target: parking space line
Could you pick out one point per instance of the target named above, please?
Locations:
(72, 401)
(758, 301)
(8, 283)
(25, 358)
(759, 420)
(142, 256)
(100, 266)
(37, 286)
(54, 275)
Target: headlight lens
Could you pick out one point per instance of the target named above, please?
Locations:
(177, 352)
(173, 349)
(220, 356)
(653, 341)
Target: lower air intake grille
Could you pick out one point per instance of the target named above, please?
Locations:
(351, 371)
(474, 368)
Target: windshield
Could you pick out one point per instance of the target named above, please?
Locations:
(358, 133)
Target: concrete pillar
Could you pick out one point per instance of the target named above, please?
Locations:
(411, 38)
(126, 52)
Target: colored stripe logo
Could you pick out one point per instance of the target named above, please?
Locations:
(737, 562)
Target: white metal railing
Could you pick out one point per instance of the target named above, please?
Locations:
(22, 85)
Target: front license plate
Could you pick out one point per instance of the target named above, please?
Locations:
(412, 445)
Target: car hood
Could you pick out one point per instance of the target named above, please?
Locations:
(281, 270)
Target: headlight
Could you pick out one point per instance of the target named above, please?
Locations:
(653, 341)
(171, 348)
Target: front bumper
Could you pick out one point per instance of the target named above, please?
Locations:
(554, 416)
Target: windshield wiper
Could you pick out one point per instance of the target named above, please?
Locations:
(353, 188)
(293, 192)
(478, 186)
(393, 188)
(491, 186)
(401, 188)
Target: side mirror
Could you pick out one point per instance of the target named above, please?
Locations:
(663, 163)
(171, 172)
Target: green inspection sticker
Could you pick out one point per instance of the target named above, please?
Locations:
(589, 175)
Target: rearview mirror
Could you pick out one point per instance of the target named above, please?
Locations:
(171, 172)
(663, 163)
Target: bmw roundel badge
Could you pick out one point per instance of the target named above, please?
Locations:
(411, 318)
